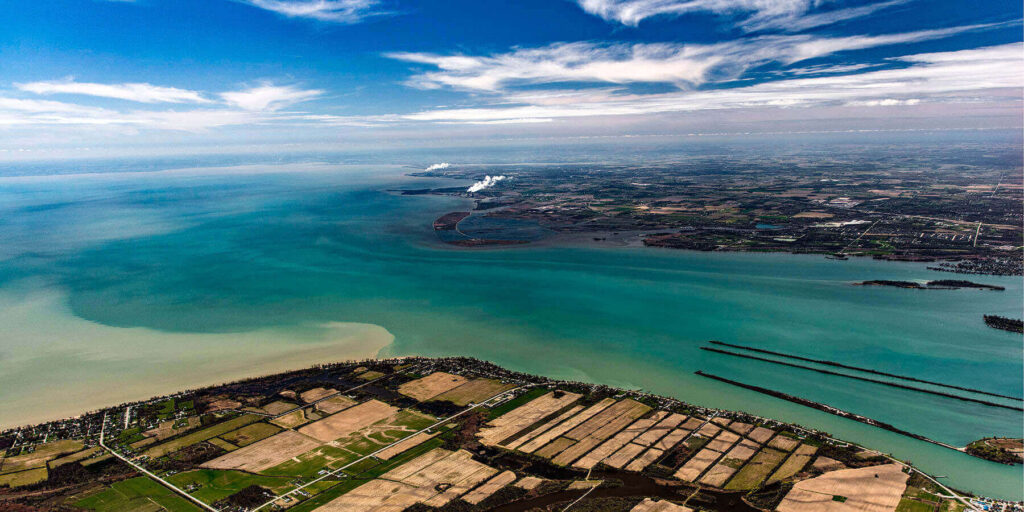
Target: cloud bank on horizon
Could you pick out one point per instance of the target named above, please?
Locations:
(309, 70)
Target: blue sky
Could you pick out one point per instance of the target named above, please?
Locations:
(139, 76)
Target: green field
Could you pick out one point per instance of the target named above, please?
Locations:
(217, 484)
(21, 478)
(130, 435)
(347, 485)
(250, 434)
(516, 402)
(167, 408)
(79, 455)
(756, 470)
(221, 428)
(220, 443)
(312, 461)
(412, 419)
(792, 466)
(39, 456)
(911, 505)
(361, 445)
(137, 495)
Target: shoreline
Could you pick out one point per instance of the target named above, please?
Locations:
(87, 423)
(105, 364)
(971, 265)
(272, 366)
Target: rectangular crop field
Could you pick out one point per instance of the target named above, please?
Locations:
(23, 478)
(216, 485)
(200, 436)
(404, 445)
(266, 453)
(249, 434)
(870, 489)
(757, 469)
(696, 465)
(416, 481)
(489, 487)
(645, 459)
(666, 443)
(761, 434)
(349, 420)
(334, 404)
(794, 463)
(473, 391)
(40, 456)
(428, 387)
(566, 425)
(521, 417)
(618, 441)
(547, 426)
(660, 429)
(316, 394)
(628, 412)
(136, 494)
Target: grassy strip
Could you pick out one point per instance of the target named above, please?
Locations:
(217, 484)
(348, 484)
(138, 493)
(197, 437)
(516, 402)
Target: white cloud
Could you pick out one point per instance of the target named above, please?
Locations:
(685, 65)
(19, 112)
(960, 76)
(337, 11)
(806, 21)
(269, 97)
(789, 15)
(246, 107)
(976, 82)
(440, 166)
(45, 106)
(138, 92)
(886, 102)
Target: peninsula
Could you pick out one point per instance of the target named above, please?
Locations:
(851, 204)
(451, 434)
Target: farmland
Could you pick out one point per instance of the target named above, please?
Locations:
(424, 436)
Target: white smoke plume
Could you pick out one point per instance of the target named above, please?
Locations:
(438, 167)
(487, 182)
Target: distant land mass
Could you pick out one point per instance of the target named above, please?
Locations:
(966, 220)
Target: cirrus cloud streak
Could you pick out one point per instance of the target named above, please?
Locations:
(960, 76)
(685, 65)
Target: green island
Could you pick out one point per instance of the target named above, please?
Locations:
(1005, 324)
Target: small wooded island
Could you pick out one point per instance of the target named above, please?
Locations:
(941, 284)
(1003, 323)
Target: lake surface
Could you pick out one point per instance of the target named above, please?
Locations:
(121, 285)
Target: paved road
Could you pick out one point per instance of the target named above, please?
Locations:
(439, 422)
(146, 472)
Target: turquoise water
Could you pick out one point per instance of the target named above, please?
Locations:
(224, 253)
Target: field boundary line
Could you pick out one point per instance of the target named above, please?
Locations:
(365, 457)
(148, 473)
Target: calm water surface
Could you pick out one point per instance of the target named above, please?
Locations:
(119, 284)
